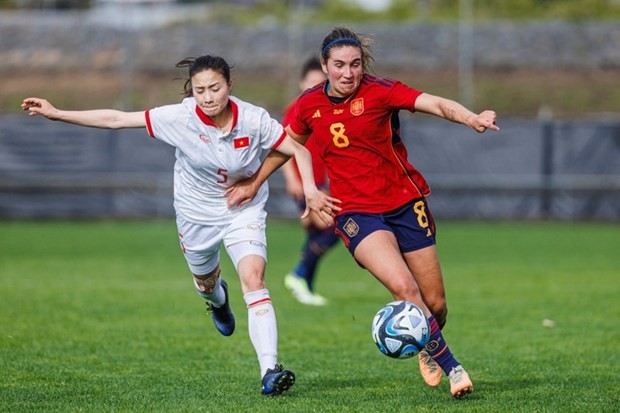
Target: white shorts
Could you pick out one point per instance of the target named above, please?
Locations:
(201, 243)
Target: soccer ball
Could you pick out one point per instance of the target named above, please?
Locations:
(400, 330)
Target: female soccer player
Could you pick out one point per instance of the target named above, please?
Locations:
(218, 140)
(320, 237)
(384, 221)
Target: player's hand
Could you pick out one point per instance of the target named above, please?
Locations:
(241, 193)
(322, 205)
(38, 106)
(483, 121)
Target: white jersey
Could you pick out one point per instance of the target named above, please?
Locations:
(209, 161)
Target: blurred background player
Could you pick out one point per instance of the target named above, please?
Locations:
(320, 237)
(218, 140)
(384, 219)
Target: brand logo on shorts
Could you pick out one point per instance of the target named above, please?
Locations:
(351, 228)
(357, 106)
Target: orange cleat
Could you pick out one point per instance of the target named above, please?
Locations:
(460, 383)
(429, 369)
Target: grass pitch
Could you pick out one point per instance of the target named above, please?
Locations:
(102, 316)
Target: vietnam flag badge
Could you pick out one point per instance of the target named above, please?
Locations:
(240, 143)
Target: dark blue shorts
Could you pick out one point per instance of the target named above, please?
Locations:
(412, 225)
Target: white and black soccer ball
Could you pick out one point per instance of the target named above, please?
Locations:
(400, 330)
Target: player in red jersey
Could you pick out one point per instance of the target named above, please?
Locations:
(384, 218)
(320, 237)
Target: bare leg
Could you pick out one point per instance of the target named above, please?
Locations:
(424, 265)
(379, 253)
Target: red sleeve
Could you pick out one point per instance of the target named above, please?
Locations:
(403, 97)
(279, 141)
(149, 127)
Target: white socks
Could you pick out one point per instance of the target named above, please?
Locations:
(262, 328)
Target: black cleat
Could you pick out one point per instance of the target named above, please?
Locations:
(223, 318)
(277, 381)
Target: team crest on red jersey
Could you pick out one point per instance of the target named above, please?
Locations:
(351, 228)
(357, 106)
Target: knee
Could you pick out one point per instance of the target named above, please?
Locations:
(253, 280)
(405, 290)
(253, 284)
(206, 283)
(322, 241)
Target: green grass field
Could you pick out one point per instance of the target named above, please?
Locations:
(102, 317)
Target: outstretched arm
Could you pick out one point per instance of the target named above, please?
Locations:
(100, 118)
(455, 112)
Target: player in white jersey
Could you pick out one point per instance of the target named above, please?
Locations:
(218, 140)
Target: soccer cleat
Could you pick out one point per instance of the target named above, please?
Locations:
(460, 384)
(276, 381)
(319, 299)
(299, 288)
(429, 369)
(223, 318)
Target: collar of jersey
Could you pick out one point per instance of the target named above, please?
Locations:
(207, 120)
(337, 100)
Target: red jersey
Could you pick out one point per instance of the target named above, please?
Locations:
(359, 141)
(320, 178)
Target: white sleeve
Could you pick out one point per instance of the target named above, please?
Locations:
(271, 131)
(165, 123)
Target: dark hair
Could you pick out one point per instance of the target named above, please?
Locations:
(342, 36)
(199, 64)
(313, 63)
